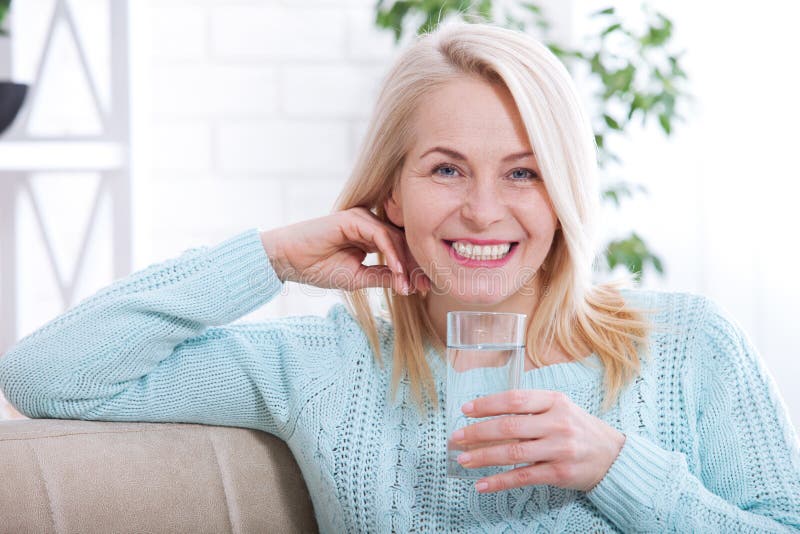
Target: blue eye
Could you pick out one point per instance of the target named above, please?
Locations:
(531, 174)
(440, 167)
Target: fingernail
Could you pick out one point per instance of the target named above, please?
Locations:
(467, 407)
(480, 486)
(464, 457)
(458, 435)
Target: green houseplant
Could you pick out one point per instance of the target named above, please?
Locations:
(637, 75)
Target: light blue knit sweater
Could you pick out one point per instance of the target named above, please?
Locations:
(709, 445)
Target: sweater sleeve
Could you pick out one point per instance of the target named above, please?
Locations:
(154, 347)
(749, 451)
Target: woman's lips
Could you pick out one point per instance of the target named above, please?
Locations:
(469, 262)
(481, 241)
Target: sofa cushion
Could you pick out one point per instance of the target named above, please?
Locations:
(94, 476)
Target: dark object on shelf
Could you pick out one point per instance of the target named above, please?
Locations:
(12, 95)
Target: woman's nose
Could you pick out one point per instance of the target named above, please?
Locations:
(483, 204)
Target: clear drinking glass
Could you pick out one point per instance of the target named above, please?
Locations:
(485, 355)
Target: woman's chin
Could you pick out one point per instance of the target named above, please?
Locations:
(480, 295)
(488, 298)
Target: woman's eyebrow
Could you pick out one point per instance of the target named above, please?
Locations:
(457, 155)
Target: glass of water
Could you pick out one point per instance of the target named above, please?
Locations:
(485, 355)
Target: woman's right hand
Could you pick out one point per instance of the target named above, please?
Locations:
(328, 252)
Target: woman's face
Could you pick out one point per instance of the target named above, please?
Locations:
(471, 177)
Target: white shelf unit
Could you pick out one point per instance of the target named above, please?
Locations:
(106, 153)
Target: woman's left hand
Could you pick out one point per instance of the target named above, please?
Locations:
(564, 445)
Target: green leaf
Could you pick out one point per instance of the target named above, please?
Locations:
(611, 194)
(668, 101)
(616, 192)
(393, 18)
(665, 123)
(485, 9)
(619, 80)
(658, 35)
(611, 122)
(557, 50)
(596, 64)
(532, 8)
(598, 140)
(612, 28)
(657, 264)
(606, 11)
(677, 71)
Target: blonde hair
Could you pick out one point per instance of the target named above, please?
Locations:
(570, 307)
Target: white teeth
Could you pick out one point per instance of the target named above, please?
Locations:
(478, 252)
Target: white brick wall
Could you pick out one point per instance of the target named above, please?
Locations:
(271, 31)
(295, 147)
(179, 29)
(215, 90)
(255, 110)
(338, 90)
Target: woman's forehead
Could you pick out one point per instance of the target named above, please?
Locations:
(467, 122)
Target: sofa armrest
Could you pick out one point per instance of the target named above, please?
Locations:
(62, 475)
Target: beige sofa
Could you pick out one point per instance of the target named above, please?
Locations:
(68, 476)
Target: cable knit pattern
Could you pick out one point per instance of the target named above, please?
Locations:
(709, 444)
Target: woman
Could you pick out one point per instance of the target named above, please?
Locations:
(477, 135)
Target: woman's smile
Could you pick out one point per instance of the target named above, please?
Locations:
(470, 255)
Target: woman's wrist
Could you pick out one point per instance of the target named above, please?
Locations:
(276, 257)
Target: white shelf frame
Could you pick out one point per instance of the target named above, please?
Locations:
(107, 153)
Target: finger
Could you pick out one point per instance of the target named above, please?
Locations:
(375, 276)
(524, 451)
(398, 240)
(374, 233)
(529, 475)
(422, 280)
(365, 276)
(519, 401)
(397, 237)
(371, 234)
(384, 241)
(467, 446)
(503, 428)
(416, 274)
(413, 272)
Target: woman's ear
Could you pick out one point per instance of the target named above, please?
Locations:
(393, 210)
